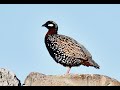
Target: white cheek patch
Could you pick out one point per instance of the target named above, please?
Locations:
(51, 25)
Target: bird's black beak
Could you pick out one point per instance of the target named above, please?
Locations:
(43, 25)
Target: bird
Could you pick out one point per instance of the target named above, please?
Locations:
(65, 50)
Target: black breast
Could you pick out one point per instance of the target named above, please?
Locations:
(56, 50)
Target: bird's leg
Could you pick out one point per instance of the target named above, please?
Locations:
(68, 70)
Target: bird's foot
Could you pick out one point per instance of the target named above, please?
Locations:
(71, 74)
(67, 74)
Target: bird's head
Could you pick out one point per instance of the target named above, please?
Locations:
(50, 25)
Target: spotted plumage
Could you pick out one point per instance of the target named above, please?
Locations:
(65, 50)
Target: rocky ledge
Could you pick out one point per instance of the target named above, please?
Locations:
(39, 79)
(8, 78)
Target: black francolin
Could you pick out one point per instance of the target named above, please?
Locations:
(65, 50)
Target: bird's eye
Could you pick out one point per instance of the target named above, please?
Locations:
(50, 25)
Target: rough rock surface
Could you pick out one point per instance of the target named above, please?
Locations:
(8, 78)
(38, 79)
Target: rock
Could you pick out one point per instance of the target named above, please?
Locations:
(8, 78)
(39, 79)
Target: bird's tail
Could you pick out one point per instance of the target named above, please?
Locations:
(94, 64)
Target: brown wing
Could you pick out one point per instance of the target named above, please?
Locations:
(72, 48)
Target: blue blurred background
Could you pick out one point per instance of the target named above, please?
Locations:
(22, 48)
